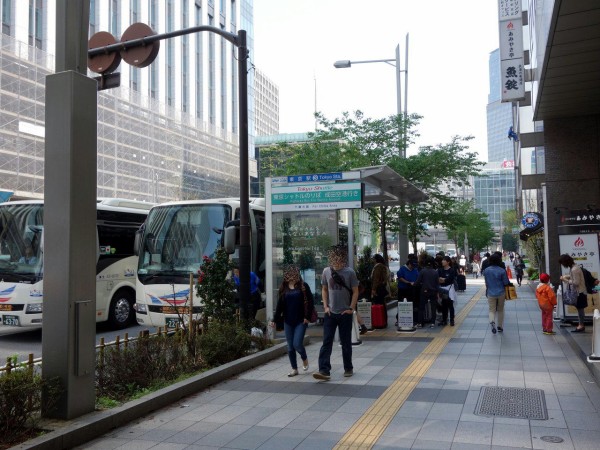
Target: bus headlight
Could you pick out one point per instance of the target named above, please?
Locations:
(140, 308)
(33, 308)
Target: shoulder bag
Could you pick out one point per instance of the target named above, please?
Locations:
(570, 295)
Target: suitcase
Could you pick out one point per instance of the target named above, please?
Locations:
(461, 282)
(378, 316)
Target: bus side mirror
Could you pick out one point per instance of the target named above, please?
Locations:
(229, 239)
(137, 241)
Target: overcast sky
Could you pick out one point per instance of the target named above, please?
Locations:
(297, 42)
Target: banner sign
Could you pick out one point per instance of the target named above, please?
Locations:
(512, 66)
(314, 197)
(363, 309)
(405, 315)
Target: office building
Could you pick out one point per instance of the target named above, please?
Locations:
(495, 192)
(168, 132)
(266, 98)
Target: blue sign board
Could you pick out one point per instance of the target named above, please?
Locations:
(315, 177)
(531, 220)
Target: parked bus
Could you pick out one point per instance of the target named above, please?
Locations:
(171, 246)
(21, 261)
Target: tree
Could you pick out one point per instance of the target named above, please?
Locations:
(467, 220)
(438, 171)
(352, 141)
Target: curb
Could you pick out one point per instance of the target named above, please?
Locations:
(92, 425)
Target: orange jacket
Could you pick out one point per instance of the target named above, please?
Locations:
(545, 296)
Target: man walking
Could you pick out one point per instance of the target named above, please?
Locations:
(339, 290)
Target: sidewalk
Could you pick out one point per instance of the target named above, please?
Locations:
(416, 391)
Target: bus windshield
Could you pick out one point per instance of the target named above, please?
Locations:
(177, 237)
(20, 242)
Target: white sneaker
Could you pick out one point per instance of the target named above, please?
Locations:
(293, 373)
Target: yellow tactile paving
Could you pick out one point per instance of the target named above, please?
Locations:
(369, 428)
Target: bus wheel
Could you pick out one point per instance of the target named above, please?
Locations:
(121, 310)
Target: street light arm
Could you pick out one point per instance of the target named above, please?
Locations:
(119, 46)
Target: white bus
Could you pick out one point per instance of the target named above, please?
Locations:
(21, 261)
(171, 245)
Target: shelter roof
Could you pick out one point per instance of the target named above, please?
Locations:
(385, 187)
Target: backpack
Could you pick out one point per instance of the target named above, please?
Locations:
(590, 281)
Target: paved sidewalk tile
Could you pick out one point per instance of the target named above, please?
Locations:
(264, 409)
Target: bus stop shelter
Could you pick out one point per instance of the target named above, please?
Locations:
(301, 217)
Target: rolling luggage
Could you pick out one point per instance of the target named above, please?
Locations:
(378, 316)
(461, 282)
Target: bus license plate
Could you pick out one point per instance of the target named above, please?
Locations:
(172, 322)
(10, 320)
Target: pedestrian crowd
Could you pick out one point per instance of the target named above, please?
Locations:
(430, 284)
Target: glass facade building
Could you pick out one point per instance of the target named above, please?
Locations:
(499, 116)
(169, 132)
(495, 192)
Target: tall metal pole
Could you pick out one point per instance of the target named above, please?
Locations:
(245, 252)
(402, 237)
(70, 217)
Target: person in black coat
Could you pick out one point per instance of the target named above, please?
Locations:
(428, 284)
(294, 307)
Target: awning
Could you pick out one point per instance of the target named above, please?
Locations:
(384, 187)
(525, 234)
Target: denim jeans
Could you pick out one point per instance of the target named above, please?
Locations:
(330, 323)
(294, 335)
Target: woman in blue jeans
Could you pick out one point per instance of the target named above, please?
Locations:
(294, 307)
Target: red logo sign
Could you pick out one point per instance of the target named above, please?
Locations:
(579, 242)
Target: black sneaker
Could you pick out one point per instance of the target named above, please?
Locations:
(363, 329)
(493, 324)
(348, 373)
(321, 376)
(451, 322)
(500, 329)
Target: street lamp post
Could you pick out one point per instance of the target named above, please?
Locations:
(395, 62)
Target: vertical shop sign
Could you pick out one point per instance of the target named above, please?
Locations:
(512, 70)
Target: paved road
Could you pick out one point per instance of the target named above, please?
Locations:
(22, 341)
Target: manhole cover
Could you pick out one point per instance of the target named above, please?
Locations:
(552, 439)
(516, 403)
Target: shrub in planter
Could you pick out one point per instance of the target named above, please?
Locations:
(149, 361)
(216, 287)
(223, 342)
(21, 403)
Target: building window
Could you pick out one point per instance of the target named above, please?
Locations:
(134, 78)
(35, 23)
(135, 11)
(153, 13)
(185, 69)
(170, 56)
(223, 84)
(6, 16)
(92, 17)
(115, 18)
(198, 38)
(211, 73)
(234, 74)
